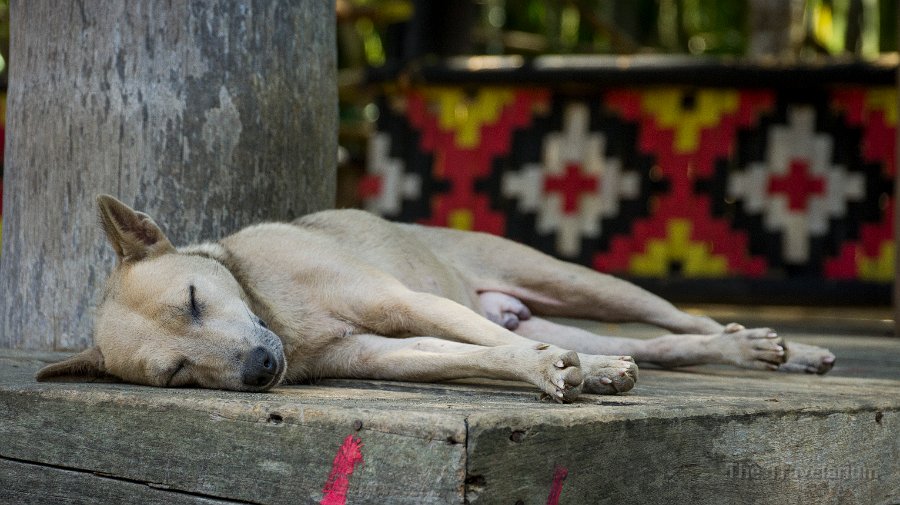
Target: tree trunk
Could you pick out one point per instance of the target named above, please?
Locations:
(771, 24)
(208, 115)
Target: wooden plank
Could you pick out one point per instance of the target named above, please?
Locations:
(721, 436)
(269, 448)
(24, 483)
(847, 458)
(209, 116)
(698, 439)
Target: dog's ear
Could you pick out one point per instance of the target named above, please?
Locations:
(133, 235)
(87, 364)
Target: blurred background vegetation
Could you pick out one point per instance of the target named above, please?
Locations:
(378, 40)
(373, 32)
(382, 37)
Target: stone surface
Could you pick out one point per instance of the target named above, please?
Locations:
(702, 435)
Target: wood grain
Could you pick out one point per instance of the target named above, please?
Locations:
(209, 116)
(796, 457)
(22, 482)
(722, 436)
(271, 448)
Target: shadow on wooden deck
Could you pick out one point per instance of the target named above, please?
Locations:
(700, 435)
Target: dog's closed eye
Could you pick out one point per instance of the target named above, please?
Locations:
(194, 306)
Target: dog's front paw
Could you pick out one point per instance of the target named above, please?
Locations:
(608, 375)
(560, 374)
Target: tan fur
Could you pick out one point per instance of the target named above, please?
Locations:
(347, 294)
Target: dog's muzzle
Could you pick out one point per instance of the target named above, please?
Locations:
(262, 369)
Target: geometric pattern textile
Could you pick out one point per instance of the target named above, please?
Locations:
(661, 182)
(655, 182)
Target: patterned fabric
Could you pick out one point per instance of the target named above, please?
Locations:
(653, 182)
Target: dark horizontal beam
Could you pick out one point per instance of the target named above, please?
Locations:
(643, 70)
(793, 292)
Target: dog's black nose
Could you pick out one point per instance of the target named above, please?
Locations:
(259, 367)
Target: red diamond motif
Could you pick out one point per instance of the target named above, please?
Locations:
(369, 186)
(799, 185)
(571, 185)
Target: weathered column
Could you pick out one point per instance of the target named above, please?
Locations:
(209, 115)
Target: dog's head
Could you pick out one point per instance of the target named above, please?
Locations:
(172, 319)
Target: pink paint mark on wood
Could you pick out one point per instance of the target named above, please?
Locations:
(346, 459)
(559, 475)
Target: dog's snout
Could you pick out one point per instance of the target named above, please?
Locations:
(260, 367)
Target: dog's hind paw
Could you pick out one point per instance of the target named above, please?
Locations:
(758, 348)
(802, 358)
(608, 375)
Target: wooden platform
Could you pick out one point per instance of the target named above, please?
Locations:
(720, 436)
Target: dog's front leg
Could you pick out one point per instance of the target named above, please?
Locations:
(403, 312)
(428, 359)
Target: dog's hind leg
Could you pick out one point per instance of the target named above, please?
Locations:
(758, 349)
(803, 358)
(428, 359)
(550, 287)
(734, 345)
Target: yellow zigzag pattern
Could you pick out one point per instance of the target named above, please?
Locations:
(465, 114)
(696, 257)
(666, 106)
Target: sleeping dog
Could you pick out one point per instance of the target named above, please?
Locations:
(345, 294)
